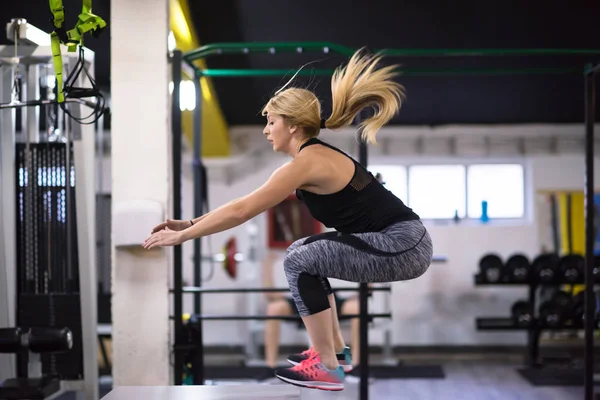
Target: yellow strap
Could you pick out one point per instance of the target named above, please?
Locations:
(86, 7)
(86, 22)
(58, 11)
(58, 65)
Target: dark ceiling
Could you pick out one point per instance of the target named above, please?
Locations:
(377, 24)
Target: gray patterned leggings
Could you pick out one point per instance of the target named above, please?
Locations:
(401, 252)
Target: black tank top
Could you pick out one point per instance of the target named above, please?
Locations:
(364, 205)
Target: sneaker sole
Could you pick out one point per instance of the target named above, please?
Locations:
(330, 387)
(347, 368)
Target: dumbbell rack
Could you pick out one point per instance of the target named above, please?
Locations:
(535, 327)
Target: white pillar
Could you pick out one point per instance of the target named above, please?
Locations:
(140, 171)
(8, 249)
(85, 214)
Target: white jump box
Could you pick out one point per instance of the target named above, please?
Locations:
(229, 392)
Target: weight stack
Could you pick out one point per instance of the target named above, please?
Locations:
(47, 252)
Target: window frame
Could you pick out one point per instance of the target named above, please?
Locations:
(450, 163)
(524, 189)
(467, 164)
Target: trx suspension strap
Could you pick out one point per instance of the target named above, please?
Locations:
(86, 22)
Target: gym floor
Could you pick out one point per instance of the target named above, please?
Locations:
(464, 380)
(472, 376)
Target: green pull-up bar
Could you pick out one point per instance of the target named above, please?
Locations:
(328, 47)
(265, 47)
(240, 73)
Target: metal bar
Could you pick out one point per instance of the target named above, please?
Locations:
(198, 362)
(8, 213)
(37, 103)
(592, 69)
(533, 334)
(590, 304)
(177, 251)
(190, 64)
(363, 289)
(283, 318)
(191, 289)
(198, 189)
(275, 47)
(100, 156)
(238, 73)
(486, 52)
(33, 93)
(188, 69)
(241, 73)
(266, 47)
(68, 196)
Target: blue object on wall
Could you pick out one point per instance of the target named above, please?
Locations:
(484, 212)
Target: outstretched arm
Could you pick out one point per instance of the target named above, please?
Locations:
(277, 188)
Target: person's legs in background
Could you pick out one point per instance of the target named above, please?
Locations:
(280, 306)
(351, 306)
(338, 340)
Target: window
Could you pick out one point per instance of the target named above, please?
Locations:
(394, 178)
(501, 185)
(437, 191)
(440, 191)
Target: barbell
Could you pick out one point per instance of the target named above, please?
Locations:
(229, 257)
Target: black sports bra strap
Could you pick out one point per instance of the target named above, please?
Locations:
(314, 140)
(309, 142)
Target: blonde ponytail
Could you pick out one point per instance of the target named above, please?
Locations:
(359, 85)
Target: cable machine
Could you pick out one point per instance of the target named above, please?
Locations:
(47, 213)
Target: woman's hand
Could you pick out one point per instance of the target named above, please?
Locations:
(165, 237)
(172, 224)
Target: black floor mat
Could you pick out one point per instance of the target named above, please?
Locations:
(378, 372)
(404, 371)
(554, 376)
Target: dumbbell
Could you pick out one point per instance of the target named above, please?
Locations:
(517, 268)
(557, 310)
(545, 267)
(578, 308)
(522, 313)
(490, 267)
(571, 268)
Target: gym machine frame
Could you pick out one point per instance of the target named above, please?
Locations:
(32, 58)
(590, 314)
(180, 61)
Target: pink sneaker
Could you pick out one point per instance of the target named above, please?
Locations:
(312, 374)
(344, 358)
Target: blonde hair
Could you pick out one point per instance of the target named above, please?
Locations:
(354, 87)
